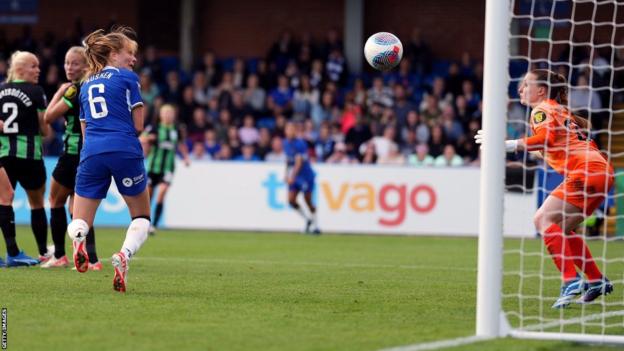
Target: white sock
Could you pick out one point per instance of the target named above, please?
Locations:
(302, 213)
(313, 219)
(78, 230)
(135, 236)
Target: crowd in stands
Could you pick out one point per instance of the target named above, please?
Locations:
(423, 113)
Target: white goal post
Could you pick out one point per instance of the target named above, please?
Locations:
(602, 322)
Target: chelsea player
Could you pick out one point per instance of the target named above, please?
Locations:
(111, 112)
(299, 176)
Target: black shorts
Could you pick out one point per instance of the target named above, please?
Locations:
(65, 171)
(155, 178)
(30, 174)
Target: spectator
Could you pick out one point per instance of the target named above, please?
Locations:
(449, 158)
(324, 144)
(239, 73)
(421, 158)
(149, 90)
(222, 125)
(248, 154)
(277, 153)
(281, 96)
(385, 143)
(359, 92)
(394, 157)
(409, 141)
(336, 66)
(317, 75)
(437, 141)
(233, 141)
(452, 128)
(198, 126)
(305, 98)
(405, 78)
(173, 88)
(198, 152)
(472, 97)
(283, 50)
(225, 154)
(201, 92)
(356, 136)
(211, 144)
(264, 145)
(340, 155)
(582, 97)
(224, 91)
(239, 109)
(187, 105)
(417, 51)
(151, 62)
(402, 106)
(350, 112)
(369, 156)
(211, 69)
(248, 133)
(324, 112)
(431, 111)
(379, 93)
(254, 95)
(454, 80)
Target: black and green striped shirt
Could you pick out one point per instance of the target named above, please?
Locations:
(161, 159)
(20, 104)
(73, 132)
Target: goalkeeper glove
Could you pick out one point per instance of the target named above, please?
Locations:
(510, 145)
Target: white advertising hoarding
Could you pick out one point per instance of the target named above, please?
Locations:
(350, 199)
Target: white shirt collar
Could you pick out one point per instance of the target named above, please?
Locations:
(111, 67)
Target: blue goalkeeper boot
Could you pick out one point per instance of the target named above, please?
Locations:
(569, 291)
(594, 290)
(21, 259)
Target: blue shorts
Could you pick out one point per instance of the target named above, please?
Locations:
(303, 184)
(94, 175)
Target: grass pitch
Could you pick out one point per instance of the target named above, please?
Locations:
(193, 290)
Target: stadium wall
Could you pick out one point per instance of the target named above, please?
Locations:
(351, 199)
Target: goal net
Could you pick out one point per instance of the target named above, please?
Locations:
(583, 41)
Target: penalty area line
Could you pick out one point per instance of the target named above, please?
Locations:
(435, 345)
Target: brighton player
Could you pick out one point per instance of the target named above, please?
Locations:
(65, 103)
(111, 112)
(22, 105)
(562, 140)
(299, 176)
(162, 142)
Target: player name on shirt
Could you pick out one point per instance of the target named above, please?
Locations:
(16, 93)
(101, 75)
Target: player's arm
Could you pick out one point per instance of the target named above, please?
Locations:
(44, 128)
(296, 168)
(138, 117)
(59, 105)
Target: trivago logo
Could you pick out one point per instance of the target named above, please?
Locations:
(393, 200)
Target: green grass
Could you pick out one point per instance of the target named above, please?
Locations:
(192, 290)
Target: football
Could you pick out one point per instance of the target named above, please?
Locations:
(383, 51)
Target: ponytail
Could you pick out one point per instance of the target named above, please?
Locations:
(555, 83)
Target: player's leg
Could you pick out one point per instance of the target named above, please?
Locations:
(8, 181)
(92, 183)
(131, 180)
(7, 216)
(548, 221)
(84, 210)
(58, 222)
(314, 228)
(33, 180)
(163, 187)
(293, 192)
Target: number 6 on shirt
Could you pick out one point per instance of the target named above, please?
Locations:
(97, 100)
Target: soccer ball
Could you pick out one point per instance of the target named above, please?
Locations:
(383, 51)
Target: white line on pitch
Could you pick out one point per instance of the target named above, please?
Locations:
(435, 345)
(576, 320)
(304, 263)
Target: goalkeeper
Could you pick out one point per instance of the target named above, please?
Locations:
(561, 138)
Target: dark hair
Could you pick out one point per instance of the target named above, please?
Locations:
(558, 90)
(555, 83)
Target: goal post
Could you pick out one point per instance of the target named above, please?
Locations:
(490, 251)
(516, 301)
